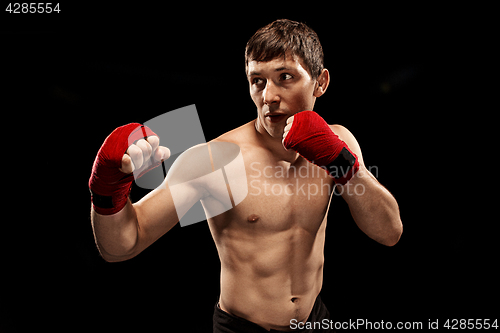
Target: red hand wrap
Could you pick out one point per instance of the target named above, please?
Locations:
(313, 139)
(108, 185)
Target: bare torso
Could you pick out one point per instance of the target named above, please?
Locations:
(271, 244)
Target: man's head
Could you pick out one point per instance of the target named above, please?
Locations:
(284, 67)
(284, 36)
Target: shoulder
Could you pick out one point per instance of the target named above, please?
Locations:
(206, 158)
(341, 131)
(244, 137)
(191, 164)
(345, 135)
(239, 135)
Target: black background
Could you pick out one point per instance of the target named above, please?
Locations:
(400, 82)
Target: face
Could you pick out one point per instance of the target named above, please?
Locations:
(280, 88)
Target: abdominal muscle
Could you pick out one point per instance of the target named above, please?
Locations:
(270, 279)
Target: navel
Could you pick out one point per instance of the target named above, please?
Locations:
(253, 218)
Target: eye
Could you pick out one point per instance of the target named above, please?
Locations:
(257, 81)
(286, 76)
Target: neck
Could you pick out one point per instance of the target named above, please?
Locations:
(274, 144)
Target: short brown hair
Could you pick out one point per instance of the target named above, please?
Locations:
(282, 36)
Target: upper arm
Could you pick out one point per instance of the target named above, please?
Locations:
(211, 172)
(162, 208)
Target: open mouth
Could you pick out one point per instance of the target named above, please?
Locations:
(276, 118)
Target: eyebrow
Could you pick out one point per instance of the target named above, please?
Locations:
(276, 70)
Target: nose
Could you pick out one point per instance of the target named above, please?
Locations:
(271, 94)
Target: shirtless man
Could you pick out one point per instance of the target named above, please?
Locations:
(270, 244)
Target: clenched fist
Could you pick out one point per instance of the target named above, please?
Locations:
(140, 152)
(128, 148)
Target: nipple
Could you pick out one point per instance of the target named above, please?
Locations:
(253, 218)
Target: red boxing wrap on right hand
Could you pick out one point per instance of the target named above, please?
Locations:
(109, 186)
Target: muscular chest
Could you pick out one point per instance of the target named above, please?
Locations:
(288, 194)
(281, 195)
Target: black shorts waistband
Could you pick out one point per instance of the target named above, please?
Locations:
(224, 322)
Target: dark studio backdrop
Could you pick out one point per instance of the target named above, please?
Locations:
(72, 79)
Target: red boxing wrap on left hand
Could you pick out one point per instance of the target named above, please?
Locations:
(314, 140)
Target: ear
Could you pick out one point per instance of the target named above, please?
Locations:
(322, 83)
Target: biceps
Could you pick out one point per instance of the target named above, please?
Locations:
(162, 208)
(185, 195)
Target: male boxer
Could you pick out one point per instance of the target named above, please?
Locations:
(271, 244)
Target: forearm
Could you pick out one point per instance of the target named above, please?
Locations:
(334, 148)
(116, 235)
(373, 208)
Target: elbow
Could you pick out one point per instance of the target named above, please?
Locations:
(112, 258)
(108, 257)
(391, 241)
(393, 235)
